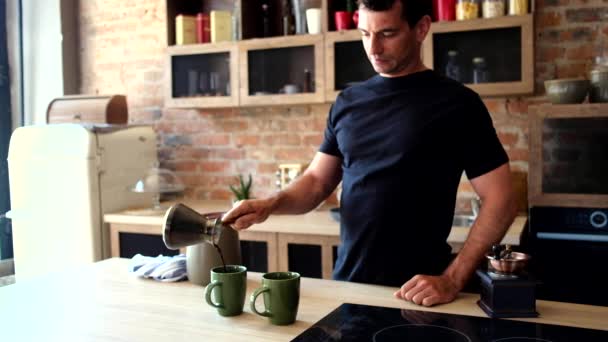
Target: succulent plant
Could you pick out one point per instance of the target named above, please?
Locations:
(243, 190)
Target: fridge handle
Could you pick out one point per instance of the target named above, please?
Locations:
(14, 214)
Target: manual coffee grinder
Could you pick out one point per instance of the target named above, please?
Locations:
(507, 290)
(207, 239)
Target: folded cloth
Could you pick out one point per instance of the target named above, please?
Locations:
(161, 268)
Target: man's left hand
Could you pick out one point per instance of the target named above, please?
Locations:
(428, 290)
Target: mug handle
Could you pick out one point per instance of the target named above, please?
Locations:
(254, 296)
(208, 292)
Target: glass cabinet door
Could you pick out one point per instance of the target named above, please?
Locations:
(202, 76)
(346, 63)
(282, 70)
(491, 56)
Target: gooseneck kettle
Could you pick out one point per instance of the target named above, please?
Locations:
(203, 235)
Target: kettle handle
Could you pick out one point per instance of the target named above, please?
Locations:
(209, 290)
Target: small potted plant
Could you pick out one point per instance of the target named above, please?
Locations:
(243, 190)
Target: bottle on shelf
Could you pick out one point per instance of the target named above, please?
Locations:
(203, 28)
(236, 21)
(299, 11)
(452, 67)
(265, 20)
(307, 81)
(287, 18)
(480, 71)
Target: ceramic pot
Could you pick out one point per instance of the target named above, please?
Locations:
(567, 90)
(201, 258)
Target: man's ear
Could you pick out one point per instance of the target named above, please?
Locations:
(422, 28)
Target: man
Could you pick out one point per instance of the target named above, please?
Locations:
(400, 142)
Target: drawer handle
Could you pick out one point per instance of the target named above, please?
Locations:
(77, 117)
(572, 237)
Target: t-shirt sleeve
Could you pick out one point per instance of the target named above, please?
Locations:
(330, 142)
(482, 150)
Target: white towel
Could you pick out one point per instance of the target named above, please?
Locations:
(161, 268)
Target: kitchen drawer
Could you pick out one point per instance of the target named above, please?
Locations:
(109, 109)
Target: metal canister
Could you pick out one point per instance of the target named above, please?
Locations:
(518, 7)
(599, 84)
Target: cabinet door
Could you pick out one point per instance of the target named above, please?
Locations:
(311, 255)
(346, 63)
(505, 44)
(282, 71)
(202, 75)
(255, 255)
(144, 244)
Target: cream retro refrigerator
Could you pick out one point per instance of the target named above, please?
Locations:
(63, 178)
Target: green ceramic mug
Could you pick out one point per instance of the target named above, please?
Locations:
(230, 285)
(281, 297)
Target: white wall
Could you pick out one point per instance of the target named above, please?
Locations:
(42, 57)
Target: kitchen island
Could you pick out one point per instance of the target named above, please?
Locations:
(104, 302)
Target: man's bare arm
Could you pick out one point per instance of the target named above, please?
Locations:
(316, 183)
(301, 196)
(497, 212)
(496, 215)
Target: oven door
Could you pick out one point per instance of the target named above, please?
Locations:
(570, 254)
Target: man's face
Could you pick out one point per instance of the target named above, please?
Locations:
(391, 46)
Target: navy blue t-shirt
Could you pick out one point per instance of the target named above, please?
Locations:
(404, 144)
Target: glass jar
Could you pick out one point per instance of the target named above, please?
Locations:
(598, 92)
(452, 68)
(493, 8)
(518, 7)
(480, 70)
(467, 9)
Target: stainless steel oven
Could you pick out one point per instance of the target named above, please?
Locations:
(568, 200)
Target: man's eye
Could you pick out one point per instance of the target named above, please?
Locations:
(388, 34)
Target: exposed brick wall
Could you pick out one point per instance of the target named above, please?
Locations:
(123, 52)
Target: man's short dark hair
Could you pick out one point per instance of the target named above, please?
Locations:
(412, 10)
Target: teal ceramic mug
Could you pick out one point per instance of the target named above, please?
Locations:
(227, 287)
(281, 297)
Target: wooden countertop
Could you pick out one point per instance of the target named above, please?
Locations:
(316, 222)
(103, 302)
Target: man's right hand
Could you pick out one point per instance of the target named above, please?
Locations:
(248, 212)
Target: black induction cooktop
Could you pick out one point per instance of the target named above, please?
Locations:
(353, 322)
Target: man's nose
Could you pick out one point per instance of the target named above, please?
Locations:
(375, 45)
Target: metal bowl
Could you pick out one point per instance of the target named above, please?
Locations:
(513, 264)
(567, 90)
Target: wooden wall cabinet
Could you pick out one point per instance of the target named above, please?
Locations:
(281, 70)
(506, 44)
(346, 62)
(566, 143)
(260, 68)
(202, 75)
